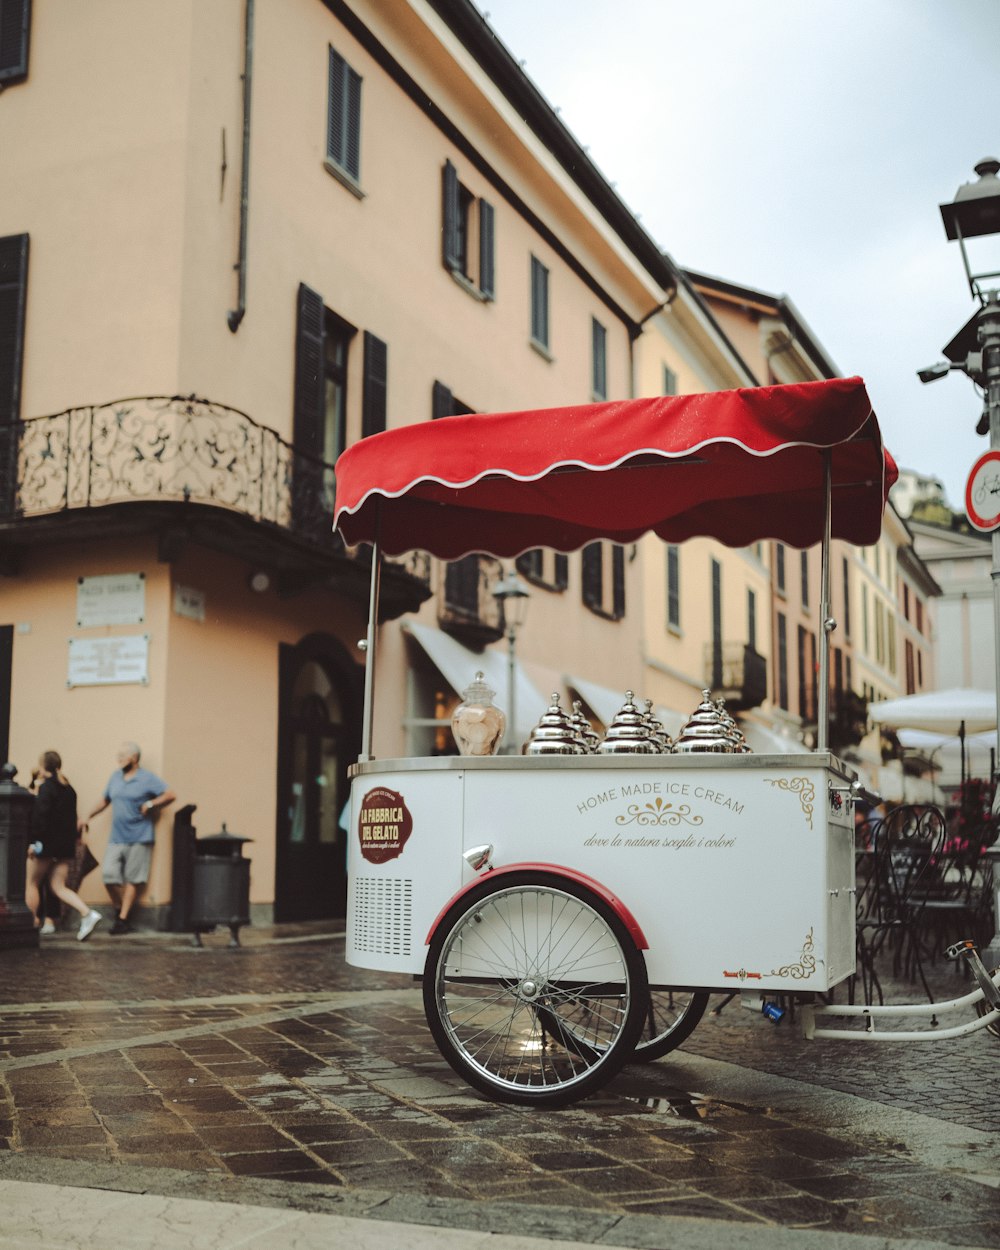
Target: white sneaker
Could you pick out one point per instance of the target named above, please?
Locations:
(88, 924)
(47, 929)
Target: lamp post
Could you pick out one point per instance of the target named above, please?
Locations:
(512, 595)
(975, 351)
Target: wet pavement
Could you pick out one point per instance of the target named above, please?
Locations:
(275, 1075)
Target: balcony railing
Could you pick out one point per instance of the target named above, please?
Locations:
(736, 673)
(167, 448)
(157, 450)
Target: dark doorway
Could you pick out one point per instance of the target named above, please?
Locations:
(319, 735)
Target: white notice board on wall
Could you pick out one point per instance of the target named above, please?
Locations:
(109, 661)
(111, 599)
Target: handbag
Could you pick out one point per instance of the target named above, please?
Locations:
(84, 863)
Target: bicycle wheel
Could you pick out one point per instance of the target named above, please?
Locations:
(669, 1019)
(533, 990)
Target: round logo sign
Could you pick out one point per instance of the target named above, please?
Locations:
(384, 825)
(982, 493)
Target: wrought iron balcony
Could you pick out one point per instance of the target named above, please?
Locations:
(189, 470)
(737, 673)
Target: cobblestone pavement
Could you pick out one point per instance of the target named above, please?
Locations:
(276, 1073)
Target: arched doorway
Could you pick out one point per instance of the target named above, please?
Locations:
(318, 737)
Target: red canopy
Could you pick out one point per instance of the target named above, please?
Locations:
(738, 466)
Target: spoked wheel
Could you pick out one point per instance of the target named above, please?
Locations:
(669, 1019)
(534, 990)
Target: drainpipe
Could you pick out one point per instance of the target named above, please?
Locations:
(637, 328)
(236, 315)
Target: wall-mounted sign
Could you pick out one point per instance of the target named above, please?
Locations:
(189, 602)
(109, 661)
(112, 599)
(982, 492)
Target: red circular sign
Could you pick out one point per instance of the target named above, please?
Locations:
(982, 492)
(384, 825)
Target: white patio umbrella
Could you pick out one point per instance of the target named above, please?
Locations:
(957, 713)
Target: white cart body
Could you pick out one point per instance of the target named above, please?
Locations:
(739, 870)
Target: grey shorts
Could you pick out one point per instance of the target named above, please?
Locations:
(127, 863)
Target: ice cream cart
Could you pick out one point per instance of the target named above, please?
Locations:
(569, 913)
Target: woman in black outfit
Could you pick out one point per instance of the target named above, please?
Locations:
(53, 848)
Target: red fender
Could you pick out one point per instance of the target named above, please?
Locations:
(555, 870)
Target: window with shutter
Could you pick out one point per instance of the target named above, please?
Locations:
(716, 624)
(441, 401)
(466, 234)
(343, 128)
(539, 304)
(309, 354)
(605, 596)
(592, 561)
(319, 430)
(617, 582)
(544, 568)
(599, 360)
(13, 297)
(444, 403)
(374, 394)
(669, 381)
(673, 586)
(782, 673)
(15, 29)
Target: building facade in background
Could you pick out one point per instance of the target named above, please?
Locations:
(242, 236)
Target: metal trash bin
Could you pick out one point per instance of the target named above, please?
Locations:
(220, 891)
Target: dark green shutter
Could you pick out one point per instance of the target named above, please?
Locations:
(343, 129)
(374, 393)
(599, 352)
(352, 139)
(309, 380)
(562, 571)
(617, 582)
(591, 559)
(487, 247)
(15, 27)
(539, 302)
(529, 563)
(13, 297)
(442, 401)
(450, 209)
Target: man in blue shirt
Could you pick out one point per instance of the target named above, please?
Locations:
(134, 795)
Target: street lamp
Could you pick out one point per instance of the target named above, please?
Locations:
(512, 596)
(975, 349)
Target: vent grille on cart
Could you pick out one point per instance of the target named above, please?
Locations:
(383, 916)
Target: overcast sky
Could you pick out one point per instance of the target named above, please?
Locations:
(800, 147)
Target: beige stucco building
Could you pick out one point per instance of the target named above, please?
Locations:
(312, 220)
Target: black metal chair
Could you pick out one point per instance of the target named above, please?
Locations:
(959, 899)
(892, 887)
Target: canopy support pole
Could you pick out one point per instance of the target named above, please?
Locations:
(369, 697)
(827, 623)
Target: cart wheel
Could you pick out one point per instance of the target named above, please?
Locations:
(669, 1019)
(534, 990)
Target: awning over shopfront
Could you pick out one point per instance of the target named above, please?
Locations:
(458, 666)
(606, 703)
